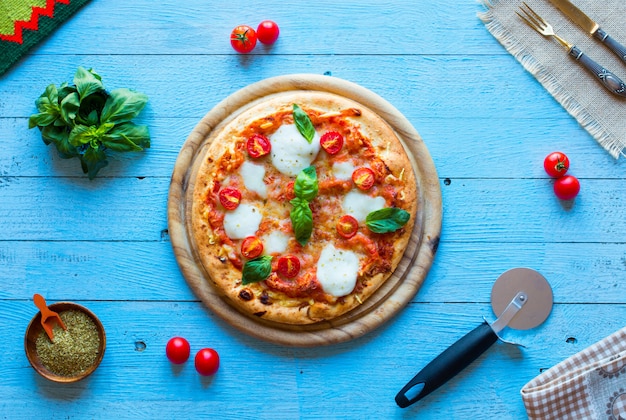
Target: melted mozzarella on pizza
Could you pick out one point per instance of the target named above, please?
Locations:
(275, 242)
(359, 205)
(291, 152)
(253, 175)
(337, 270)
(343, 170)
(243, 221)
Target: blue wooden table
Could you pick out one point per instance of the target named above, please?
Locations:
(487, 123)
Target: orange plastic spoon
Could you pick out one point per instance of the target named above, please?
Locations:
(48, 316)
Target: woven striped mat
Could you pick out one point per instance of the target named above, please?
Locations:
(24, 23)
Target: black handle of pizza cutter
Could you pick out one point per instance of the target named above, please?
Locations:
(445, 366)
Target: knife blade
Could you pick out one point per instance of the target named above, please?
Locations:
(588, 25)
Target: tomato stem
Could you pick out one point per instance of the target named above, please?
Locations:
(243, 38)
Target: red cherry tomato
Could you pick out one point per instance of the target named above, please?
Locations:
(347, 226)
(177, 350)
(556, 164)
(207, 362)
(267, 32)
(331, 142)
(363, 178)
(230, 198)
(251, 247)
(258, 145)
(567, 187)
(243, 39)
(288, 266)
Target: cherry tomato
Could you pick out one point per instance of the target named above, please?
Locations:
(177, 350)
(251, 247)
(567, 187)
(556, 164)
(243, 39)
(258, 145)
(267, 32)
(230, 198)
(332, 142)
(288, 266)
(347, 226)
(207, 362)
(363, 178)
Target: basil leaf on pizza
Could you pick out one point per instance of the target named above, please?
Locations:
(301, 220)
(306, 185)
(303, 123)
(387, 220)
(256, 270)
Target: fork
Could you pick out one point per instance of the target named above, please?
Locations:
(609, 80)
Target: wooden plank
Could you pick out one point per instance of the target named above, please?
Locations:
(76, 208)
(348, 377)
(478, 149)
(461, 273)
(61, 208)
(140, 27)
(487, 124)
(201, 82)
(468, 122)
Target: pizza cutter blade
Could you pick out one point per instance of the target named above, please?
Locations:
(521, 298)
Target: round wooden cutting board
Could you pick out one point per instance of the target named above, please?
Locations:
(389, 298)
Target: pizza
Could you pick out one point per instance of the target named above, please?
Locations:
(302, 207)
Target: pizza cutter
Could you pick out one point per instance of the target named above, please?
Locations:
(521, 298)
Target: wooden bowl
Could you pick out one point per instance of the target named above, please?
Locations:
(35, 328)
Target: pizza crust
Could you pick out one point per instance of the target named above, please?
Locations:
(257, 299)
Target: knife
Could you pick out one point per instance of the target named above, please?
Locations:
(585, 22)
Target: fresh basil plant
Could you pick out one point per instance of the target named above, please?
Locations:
(84, 121)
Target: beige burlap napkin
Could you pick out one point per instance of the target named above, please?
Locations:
(589, 385)
(602, 114)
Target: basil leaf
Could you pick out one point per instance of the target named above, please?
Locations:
(49, 100)
(303, 123)
(94, 102)
(69, 108)
(256, 270)
(301, 220)
(122, 105)
(387, 220)
(86, 83)
(83, 134)
(306, 185)
(65, 89)
(127, 137)
(48, 107)
(41, 119)
(58, 136)
(92, 118)
(92, 161)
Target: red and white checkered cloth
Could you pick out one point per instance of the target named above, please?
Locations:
(589, 385)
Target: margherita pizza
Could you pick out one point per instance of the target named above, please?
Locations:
(302, 207)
